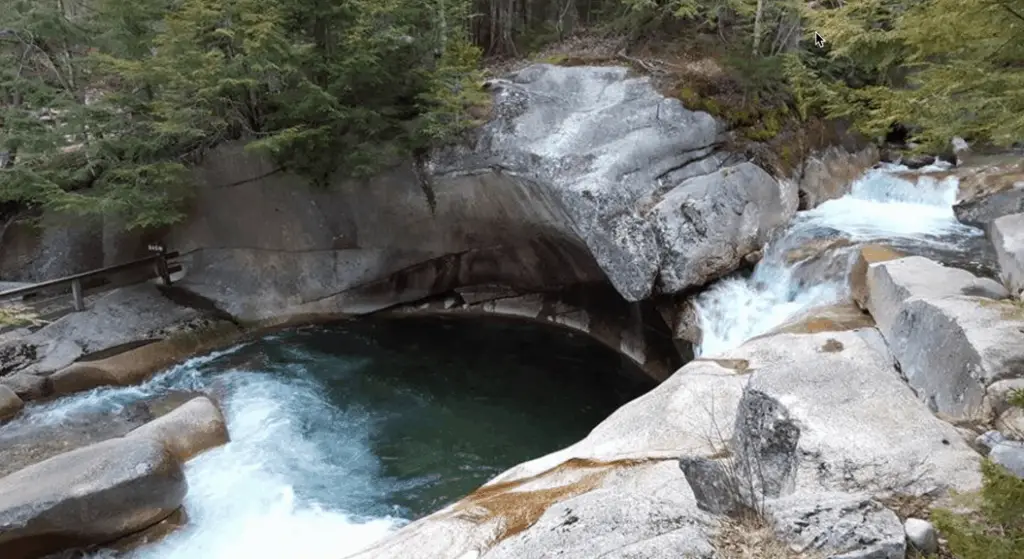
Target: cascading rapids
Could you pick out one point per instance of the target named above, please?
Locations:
(882, 206)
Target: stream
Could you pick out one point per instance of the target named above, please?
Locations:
(342, 434)
(913, 216)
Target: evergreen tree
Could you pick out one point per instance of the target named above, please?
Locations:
(943, 67)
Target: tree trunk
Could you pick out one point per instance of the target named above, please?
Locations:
(758, 23)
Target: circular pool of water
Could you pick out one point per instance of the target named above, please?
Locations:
(343, 433)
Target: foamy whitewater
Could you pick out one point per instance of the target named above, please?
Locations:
(881, 206)
(242, 500)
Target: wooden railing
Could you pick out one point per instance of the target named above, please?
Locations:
(160, 262)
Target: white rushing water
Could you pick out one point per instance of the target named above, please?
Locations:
(882, 206)
(263, 494)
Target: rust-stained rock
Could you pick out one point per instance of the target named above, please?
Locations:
(869, 254)
(832, 318)
(135, 366)
(10, 403)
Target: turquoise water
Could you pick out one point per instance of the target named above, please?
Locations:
(342, 434)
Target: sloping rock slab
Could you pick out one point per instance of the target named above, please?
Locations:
(88, 496)
(949, 333)
(134, 366)
(117, 318)
(861, 428)
(650, 515)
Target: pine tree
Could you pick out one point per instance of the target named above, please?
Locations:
(941, 67)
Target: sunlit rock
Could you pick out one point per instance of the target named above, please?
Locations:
(88, 496)
(950, 335)
(193, 427)
(1007, 234)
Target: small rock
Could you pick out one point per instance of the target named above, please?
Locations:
(1010, 455)
(714, 489)
(188, 430)
(921, 534)
(10, 403)
(989, 440)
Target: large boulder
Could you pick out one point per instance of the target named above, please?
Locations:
(1007, 234)
(990, 187)
(564, 186)
(707, 224)
(950, 332)
(88, 496)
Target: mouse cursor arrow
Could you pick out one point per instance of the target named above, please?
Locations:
(819, 41)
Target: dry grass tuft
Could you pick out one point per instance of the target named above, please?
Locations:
(751, 537)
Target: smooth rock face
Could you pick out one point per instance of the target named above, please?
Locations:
(188, 430)
(88, 496)
(706, 225)
(10, 403)
(1007, 234)
(891, 282)
(558, 190)
(598, 311)
(846, 526)
(921, 535)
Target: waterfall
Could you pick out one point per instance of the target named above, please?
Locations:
(909, 210)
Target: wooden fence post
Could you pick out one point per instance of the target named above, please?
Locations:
(76, 293)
